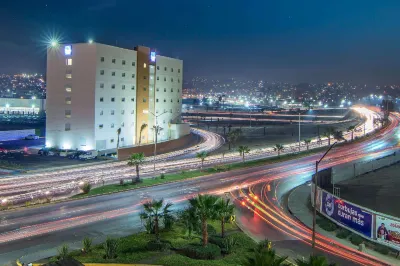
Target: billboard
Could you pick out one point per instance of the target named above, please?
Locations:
(347, 214)
(388, 231)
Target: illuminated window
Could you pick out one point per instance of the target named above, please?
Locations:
(113, 74)
(113, 86)
(113, 61)
(67, 127)
(101, 85)
(123, 62)
(68, 88)
(102, 59)
(100, 126)
(123, 87)
(68, 113)
(123, 75)
(68, 75)
(144, 65)
(101, 99)
(102, 72)
(68, 100)
(69, 62)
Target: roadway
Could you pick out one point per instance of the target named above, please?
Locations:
(27, 231)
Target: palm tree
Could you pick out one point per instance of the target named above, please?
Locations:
(351, 129)
(224, 211)
(307, 142)
(233, 136)
(154, 210)
(328, 133)
(204, 207)
(118, 133)
(190, 221)
(278, 148)
(243, 150)
(338, 135)
(314, 261)
(202, 156)
(264, 257)
(136, 160)
(143, 126)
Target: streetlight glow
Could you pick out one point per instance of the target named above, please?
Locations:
(90, 41)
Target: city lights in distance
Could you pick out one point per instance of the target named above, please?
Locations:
(90, 41)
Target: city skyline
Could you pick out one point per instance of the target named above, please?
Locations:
(293, 42)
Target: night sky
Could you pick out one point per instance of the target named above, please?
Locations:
(280, 40)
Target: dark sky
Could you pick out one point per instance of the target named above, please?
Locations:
(282, 40)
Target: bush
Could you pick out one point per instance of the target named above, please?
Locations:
(356, 239)
(162, 176)
(382, 249)
(229, 245)
(211, 230)
(110, 248)
(326, 224)
(86, 187)
(208, 252)
(216, 240)
(121, 182)
(343, 233)
(87, 244)
(63, 252)
(153, 245)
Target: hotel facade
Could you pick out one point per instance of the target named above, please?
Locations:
(95, 91)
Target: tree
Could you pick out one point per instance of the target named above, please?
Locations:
(314, 261)
(118, 133)
(110, 248)
(278, 148)
(328, 133)
(202, 156)
(155, 210)
(233, 136)
(352, 129)
(143, 126)
(204, 207)
(87, 245)
(307, 142)
(136, 160)
(63, 252)
(190, 221)
(224, 211)
(243, 150)
(338, 135)
(263, 257)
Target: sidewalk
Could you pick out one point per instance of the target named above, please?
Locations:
(298, 206)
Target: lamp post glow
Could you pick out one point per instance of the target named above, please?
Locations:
(90, 41)
(53, 43)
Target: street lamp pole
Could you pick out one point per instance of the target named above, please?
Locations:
(156, 129)
(315, 196)
(299, 134)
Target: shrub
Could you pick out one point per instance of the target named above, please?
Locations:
(110, 247)
(382, 249)
(121, 182)
(356, 239)
(211, 230)
(229, 245)
(162, 176)
(208, 252)
(87, 244)
(153, 245)
(86, 187)
(63, 252)
(216, 240)
(326, 224)
(343, 233)
(221, 168)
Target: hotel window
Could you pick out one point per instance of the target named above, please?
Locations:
(158, 78)
(113, 61)
(101, 85)
(144, 65)
(102, 72)
(178, 90)
(165, 90)
(113, 99)
(123, 62)
(144, 100)
(172, 70)
(179, 70)
(123, 75)
(172, 80)
(165, 100)
(101, 99)
(68, 88)
(179, 81)
(67, 127)
(123, 99)
(68, 100)
(132, 112)
(158, 67)
(69, 62)
(158, 89)
(68, 113)
(68, 75)
(133, 63)
(112, 112)
(122, 112)
(165, 68)
(144, 77)
(112, 140)
(133, 87)
(123, 124)
(178, 100)
(100, 126)
(101, 59)
(171, 100)
(122, 139)
(156, 100)
(112, 125)
(101, 112)
(170, 110)
(132, 99)
(123, 87)
(165, 79)
(144, 89)
(133, 76)
(113, 73)
(172, 90)
(113, 86)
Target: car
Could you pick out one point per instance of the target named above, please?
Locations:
(66, 153)
(76, 154)
(32, 137)
(45, 152)
(88, 155)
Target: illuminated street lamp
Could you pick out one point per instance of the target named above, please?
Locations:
(54, 43)
(90, 41)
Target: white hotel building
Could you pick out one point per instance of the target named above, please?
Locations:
(95, 89)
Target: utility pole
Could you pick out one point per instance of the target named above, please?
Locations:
(299, 134)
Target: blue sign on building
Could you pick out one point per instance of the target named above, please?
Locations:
(347, 214)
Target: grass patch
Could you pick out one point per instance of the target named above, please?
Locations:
(326, 224)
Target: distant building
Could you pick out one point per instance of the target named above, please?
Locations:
(22, 106)
(95, 89)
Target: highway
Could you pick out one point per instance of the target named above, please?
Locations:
(27, 231)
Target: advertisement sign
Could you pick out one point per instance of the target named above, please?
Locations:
(152, 56)
(347, 214)
(68, 50)
(388, 231)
